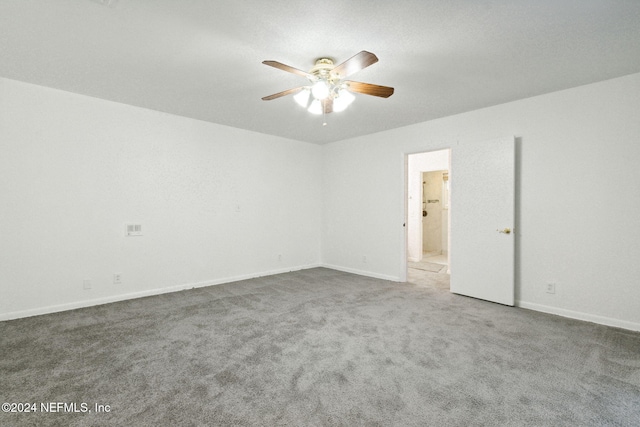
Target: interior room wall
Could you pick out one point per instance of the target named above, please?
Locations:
(218, 204)
(564, 232)
(215, 203)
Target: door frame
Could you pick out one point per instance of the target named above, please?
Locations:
(404, 258)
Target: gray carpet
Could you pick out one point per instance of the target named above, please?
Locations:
(319, 348)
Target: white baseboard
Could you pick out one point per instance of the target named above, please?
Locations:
(361, 272)
(602, 320)
(133, 295)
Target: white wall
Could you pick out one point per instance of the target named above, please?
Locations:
(219, 204)
(216, 203)
(575, 226)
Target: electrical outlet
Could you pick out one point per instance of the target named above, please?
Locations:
(279, 257)
(86, 284)
(551, 288)
(133, 230)
(117, 278)
(364, 259)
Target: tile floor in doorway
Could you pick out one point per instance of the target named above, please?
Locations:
(427, 272)
(436, 259)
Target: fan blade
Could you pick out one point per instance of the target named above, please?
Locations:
(369, 89)
(354, 64)
(283, 93)
(284, 67)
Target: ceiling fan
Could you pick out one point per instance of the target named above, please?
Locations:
(328, 90)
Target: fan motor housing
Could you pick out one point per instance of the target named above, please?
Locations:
(323, 67)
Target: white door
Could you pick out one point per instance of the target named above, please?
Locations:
(482, 203)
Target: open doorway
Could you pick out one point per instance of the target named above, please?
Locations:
(435, 222)
(428, 219)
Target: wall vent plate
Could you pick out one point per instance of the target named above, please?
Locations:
(133, 230)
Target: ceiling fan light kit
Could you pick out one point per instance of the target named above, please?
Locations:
(327, 90)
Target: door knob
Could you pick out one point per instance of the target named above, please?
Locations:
(505, 231)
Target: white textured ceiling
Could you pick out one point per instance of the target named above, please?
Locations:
(202, 58)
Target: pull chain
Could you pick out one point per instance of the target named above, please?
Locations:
(324, 112)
